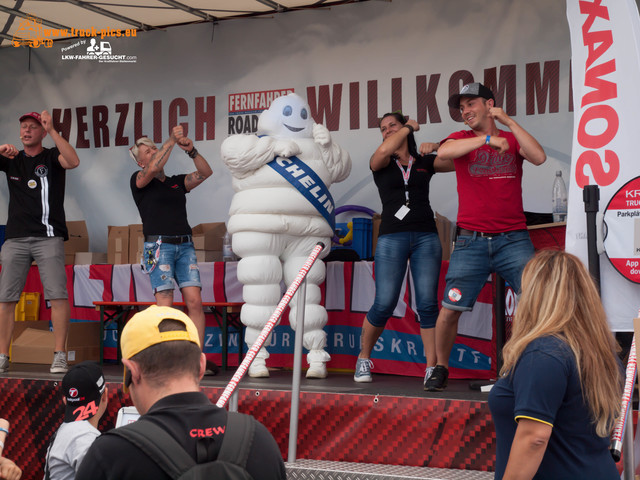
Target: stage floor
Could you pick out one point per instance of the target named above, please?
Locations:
(336, 382)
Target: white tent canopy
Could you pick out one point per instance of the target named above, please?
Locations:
(137, 14)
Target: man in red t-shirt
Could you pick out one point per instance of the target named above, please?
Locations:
(492, 234)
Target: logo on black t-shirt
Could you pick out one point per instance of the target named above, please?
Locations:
(41, 171)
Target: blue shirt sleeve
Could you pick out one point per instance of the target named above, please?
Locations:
(540, 382)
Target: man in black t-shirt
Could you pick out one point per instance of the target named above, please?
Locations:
(36, 228)
(163, 368)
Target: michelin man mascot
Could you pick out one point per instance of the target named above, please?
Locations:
(281, 209)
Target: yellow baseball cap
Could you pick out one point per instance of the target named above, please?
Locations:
(142, 331)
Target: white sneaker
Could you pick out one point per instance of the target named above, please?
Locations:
(317, 370)
(363, 371)
(258, 368)
(59, 364)
(4, 363)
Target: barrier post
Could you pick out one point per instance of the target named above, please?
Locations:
(297, 373)
(233, 402)
(628, 462)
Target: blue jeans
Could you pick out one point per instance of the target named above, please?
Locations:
(474, 258)
(424, 253)
(173, 262)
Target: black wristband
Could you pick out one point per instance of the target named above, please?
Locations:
(411, 130)
(193, 153)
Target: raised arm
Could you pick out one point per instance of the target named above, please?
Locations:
(203, 170)
(336, 158)
(451, 148)
(243, 154)
(529, 146)
(382, 156)
(68, 157)
(158, 159)
(8, 150)
(442, 165)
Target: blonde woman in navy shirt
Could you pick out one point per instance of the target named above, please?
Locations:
(559, 396)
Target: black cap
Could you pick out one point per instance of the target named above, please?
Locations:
(470, 90)
(82, 386)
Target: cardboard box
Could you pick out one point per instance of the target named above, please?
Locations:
(78, 238)
(33, 345)
(208, 256)
(33, 342)
(83, 342)
(446, 232)
(136, 243)
(118, 245)
(89, 258)
(209, 236)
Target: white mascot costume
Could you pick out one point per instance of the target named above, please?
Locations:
(281, 209)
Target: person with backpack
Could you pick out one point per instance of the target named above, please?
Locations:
(180, 433)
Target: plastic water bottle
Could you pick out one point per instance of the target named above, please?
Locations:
(227, 251)
(559, 199)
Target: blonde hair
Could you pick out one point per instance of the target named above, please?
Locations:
(560, 299)
(133, 151)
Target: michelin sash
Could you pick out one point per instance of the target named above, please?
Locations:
(308, 183)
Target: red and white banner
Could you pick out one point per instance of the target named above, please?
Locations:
(605, 61)
(348, 294)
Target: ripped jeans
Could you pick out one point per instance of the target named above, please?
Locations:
(173, 262)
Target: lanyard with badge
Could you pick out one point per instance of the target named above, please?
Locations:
(404, 209)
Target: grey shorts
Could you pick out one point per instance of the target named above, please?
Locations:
(17, 255)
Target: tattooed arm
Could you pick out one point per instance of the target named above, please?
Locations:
(158, 159)
(203, 170)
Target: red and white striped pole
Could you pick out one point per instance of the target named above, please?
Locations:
(253, 351)
(627, 395)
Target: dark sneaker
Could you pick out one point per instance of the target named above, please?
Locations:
(438, 379)
(212, 368)
(427, 373)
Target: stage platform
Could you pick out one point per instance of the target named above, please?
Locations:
(384, 429)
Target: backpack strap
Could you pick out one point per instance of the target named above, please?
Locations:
(238, 439)
(159, 445)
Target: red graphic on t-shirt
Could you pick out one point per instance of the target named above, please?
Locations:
(489, 163)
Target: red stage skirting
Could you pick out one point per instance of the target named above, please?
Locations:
(351, 428)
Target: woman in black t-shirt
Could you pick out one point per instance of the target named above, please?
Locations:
(169, 256)
(407, 233)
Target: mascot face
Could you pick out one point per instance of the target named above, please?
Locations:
(287, 117)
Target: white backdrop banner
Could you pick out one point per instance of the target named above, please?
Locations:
(351, 62)
(605, 37)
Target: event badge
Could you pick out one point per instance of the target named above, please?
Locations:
(402, 212)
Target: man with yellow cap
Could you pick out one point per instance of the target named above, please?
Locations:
(163, 368)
